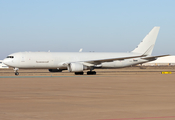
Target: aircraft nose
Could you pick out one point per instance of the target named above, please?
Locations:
(6, 61)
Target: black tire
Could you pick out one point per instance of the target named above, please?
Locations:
(79, 73)
(94, 73)
(88, 72)
(91, 73)
(16, 73)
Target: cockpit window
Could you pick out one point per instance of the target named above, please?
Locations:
(10, 56)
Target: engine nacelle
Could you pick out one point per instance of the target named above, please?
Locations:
(54, 70)
(76, 67)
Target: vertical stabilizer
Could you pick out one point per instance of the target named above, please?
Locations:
(147, 44)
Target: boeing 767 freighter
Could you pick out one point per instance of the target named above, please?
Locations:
(77, 62)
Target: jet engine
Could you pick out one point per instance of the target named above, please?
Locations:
(54, 70)
(76, 67)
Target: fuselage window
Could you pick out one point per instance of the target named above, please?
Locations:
(10, 56)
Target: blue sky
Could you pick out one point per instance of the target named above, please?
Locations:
(94, 25)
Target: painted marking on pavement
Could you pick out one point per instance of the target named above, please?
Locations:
(141, 118)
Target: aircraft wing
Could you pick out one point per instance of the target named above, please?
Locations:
(154, 57)
(99, 61)
(95, 62)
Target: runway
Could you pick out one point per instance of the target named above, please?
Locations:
(107, 96)
(5, 73)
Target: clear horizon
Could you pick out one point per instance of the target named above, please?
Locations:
(100, 26)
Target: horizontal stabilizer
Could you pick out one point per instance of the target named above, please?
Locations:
(154, 57)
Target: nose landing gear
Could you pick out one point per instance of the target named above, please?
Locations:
(16, 71)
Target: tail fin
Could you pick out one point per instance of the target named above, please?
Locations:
(147, 44)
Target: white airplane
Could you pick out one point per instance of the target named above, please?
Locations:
(77, 62)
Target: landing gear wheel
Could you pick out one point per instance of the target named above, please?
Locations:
(91, 73)
(16, 73)
(79, 73)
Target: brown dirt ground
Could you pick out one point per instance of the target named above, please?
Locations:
(129, 93)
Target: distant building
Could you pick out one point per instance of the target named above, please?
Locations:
(162, 61)
(2, 65)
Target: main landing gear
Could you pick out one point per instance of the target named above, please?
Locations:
(79, 73)
(88, 73)
(16, 71)
(91, 73)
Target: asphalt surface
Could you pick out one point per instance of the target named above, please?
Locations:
(39, 95)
